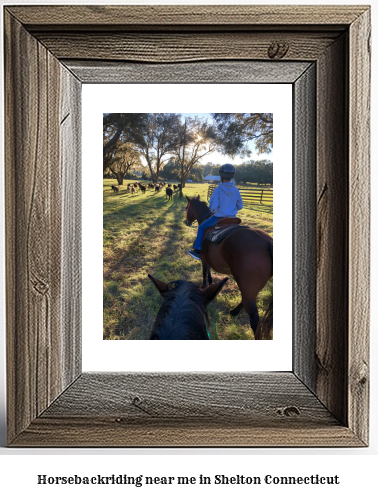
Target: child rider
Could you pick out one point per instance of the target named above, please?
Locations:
(224, 202)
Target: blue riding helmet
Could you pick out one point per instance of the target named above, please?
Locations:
(227, 171)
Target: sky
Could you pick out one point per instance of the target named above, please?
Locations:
(218, 158)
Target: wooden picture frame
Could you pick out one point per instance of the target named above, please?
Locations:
(324, 51)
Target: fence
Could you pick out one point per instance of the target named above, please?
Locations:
(250, 195)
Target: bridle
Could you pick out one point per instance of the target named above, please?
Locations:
(186, 220)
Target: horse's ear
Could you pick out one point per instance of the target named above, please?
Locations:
(209, 293)
(187, 198)
(160, 285)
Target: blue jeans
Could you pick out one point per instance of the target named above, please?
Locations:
(211, 221)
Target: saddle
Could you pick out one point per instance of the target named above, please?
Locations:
(222, 228)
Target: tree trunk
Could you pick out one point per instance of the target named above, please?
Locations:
(183, 163)
(119, 179)
(109, 145)
(182, 182)
(154, 177)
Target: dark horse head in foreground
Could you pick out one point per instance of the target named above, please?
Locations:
(183, 314)
(247, 255)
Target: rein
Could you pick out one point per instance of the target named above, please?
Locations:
(187, 210)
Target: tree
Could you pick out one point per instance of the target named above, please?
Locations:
(155, 139)
(196, 139)
(125, 158)
(215, 170)
(260, 172)
(117, 129)
(236, 130)
(171, 169)
(264, 172)
(207, 168)
(196, 173)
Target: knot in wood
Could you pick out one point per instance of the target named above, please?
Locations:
(278, 50)
(41, 287)
(363, 381)
(288, 411)
(136, 400)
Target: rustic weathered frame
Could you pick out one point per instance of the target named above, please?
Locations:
(49, 52)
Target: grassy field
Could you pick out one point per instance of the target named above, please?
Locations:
(146, 234)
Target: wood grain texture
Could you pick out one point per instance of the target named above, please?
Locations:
(139, 17)
(100, 432)
(332, 230)
(200, 72)
(32, 243)
(33, 228)
(359, 226)
(304, 227)
(188, 396)
(224, 409)
(186, 47)
(70, 164)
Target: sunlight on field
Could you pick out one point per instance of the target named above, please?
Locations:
(145, 233)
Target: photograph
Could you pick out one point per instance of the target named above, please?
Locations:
(188, 226)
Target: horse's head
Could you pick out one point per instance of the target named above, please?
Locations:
(194, 209)
(183, 315)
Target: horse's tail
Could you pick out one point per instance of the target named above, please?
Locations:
(265, 325)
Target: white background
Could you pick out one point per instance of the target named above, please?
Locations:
(356, 467)
(234, 355)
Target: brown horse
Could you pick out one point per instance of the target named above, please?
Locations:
(247, 255)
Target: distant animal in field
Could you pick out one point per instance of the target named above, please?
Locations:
(169, 185)
(179, 186)
(157, 188)
(175, 187)
(115, 189)
(132, 189)
(183, 314)
(169, 193)
(143, 188)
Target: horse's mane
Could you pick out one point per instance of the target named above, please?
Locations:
(201, 205)
(197, 201)
(182, 315)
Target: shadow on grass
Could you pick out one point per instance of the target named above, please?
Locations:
(165, 231)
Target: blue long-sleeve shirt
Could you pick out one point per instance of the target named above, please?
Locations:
(226, 200)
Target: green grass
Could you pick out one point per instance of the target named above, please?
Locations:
(146, 234)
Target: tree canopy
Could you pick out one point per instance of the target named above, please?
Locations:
(196, 173)
(236, 130)
(171, 169)
(117, 129)
(207, 168)
(156, 138)
(260, 172)
(215, 170)
(195, 139)
(125, 157)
